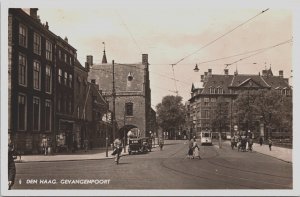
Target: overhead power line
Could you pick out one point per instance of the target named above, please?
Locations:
(131, 35)
(261, 51)
(213, 41)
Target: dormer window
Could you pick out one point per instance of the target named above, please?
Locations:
(130, 76)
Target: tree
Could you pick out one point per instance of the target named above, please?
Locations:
(271, 108)
(221, 118)
(170, 113)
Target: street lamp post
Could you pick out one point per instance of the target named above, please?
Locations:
(106, 133)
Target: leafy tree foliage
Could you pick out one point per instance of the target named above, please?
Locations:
(170, 113)
(221, 120)
(268, 106)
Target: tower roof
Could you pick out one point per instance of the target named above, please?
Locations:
(104, 60)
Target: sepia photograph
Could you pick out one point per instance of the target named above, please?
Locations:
(148, 98)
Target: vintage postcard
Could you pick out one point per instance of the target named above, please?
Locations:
(148, 98)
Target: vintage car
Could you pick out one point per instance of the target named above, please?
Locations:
(139, 145)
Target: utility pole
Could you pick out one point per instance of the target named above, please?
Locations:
(124, 130)
(114, 101)
(106, 133)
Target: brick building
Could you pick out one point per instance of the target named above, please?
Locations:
(51, 103)
(31, 72)
(133, 94)
(64, 86)
(202, 107)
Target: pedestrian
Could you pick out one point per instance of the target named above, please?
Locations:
(260, 141)
(250, 144)
(191, 145)
(86, 145)
(11, 165)
(196, 150)
(270, 143)
(161, 144)
(117, 149)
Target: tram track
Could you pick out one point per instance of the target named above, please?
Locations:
(208, 175)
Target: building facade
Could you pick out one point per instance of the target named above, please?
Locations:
(51, 102)
(31, 72)
(132, 95)
(64, 86)
(216, 98)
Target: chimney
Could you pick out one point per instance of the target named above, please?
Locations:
(145, 59)
(66, 39)
(87, 66)
(202, 78)
(281, 73)
(93, 81)
(226, 71)
(33, 13)
(209, 72)
(89, 60)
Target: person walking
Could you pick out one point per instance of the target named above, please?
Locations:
(270, 143)
(86, 145)
(196, 150)
(190, 152)
(11, 165)
(117, 149)
(161, 144)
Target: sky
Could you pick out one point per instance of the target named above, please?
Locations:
(169, 31)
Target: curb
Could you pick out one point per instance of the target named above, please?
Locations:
(85, 159)
(274, 157)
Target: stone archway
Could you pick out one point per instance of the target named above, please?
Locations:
(124, 131)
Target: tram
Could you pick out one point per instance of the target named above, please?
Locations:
(206, 137)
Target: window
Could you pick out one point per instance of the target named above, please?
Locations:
(22, 35)
(60, 76)
(70, 105)
(59, 103)
(36, 114)
(70, 80)
(70, 60)
(206, 114)
(36, 75)
(212, 90)
(66, 78)
(48, 79)
(48, 50)
(206, 101)
(21, 112)
(37, 44)
(129, 109)
(47, 115)
(65, 58)
(22, 70)
(220, 90)
(78, 112)
(59, 54)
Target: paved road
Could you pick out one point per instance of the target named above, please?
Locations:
(168, 169)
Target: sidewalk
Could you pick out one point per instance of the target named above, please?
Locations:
(281, 153)
(94, 154)
(284, 154)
